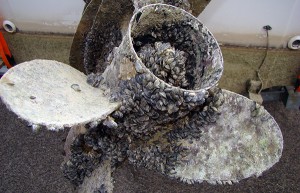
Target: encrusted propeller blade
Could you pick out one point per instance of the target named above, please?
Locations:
(99, 181)
(244, 140)
(53, 94)
(79, 39)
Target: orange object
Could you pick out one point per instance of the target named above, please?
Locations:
(4, 52)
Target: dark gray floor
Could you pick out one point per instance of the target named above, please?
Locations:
(30, 162)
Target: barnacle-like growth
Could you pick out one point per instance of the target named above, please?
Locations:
(155, 101)
(103, 25)
(217, 149)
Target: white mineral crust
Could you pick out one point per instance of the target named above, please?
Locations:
(53, 94)
(244, 142)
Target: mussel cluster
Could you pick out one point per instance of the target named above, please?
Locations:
(168, 100)
(152, 101)
(90, 149)
(163, 150)
(176, 53)
(183, 4)
(165, 62)
(137, 122)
